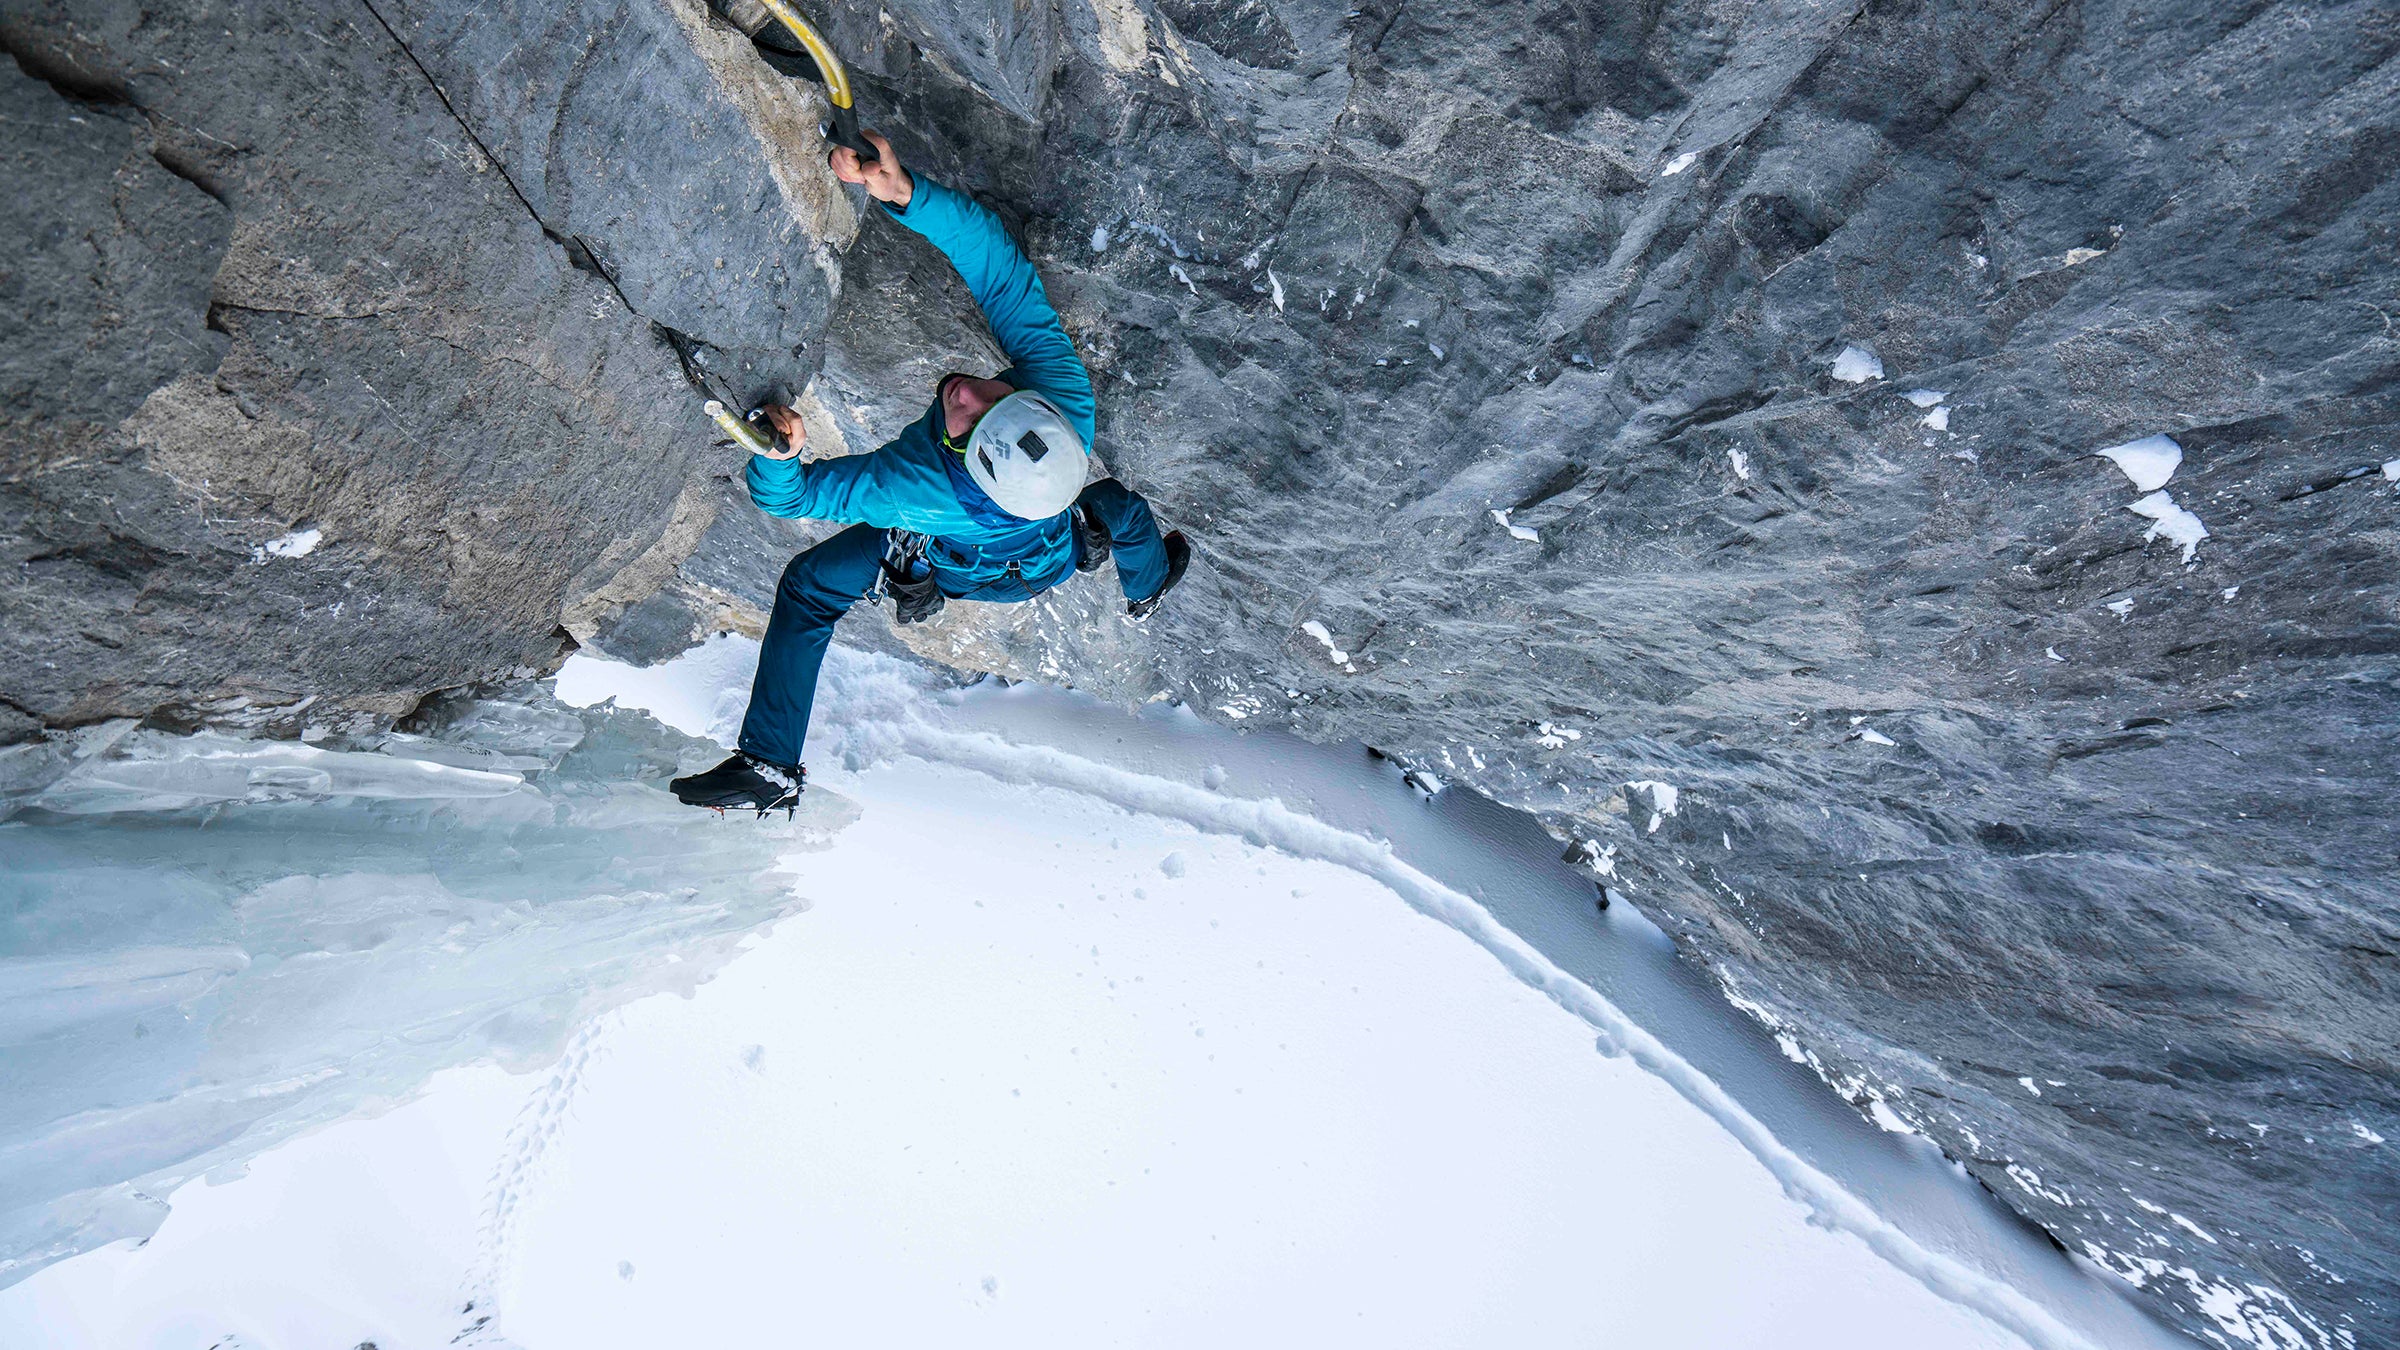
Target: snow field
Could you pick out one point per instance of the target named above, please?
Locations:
(1064, 1054)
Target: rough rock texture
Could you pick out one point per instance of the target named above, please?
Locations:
(266, 277)
(2111, 916)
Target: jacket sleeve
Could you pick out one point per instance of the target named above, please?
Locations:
(881, 488)
(1008, 290)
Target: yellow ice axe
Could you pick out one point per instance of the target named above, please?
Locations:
(836, 76)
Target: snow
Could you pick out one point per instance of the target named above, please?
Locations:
(1100, 238)
(1176, 271)
(998, 1085)
(1926, 398)
(1857, 365)
(1318, 631)
(992, 1093)
(297, 544)
(2177, 524)
(1275, 289)
(2120, 608)
(2391, 471)
(1435, 349)
(1555, 737)
(1938, 419)
(1678, 164)
(1872, 737)
(1662, 800)
(2229, 592)
(1530, 536)
(1741, 464)
(2052, 653)
(2148, 462)
(2364, 1133)
(2028, 1085)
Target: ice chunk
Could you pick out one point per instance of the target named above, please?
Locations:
(1926, 398)
(1678, 164)
(152, 771)
(1518, 531)
(297, 544)
(2149, 462)
(2177, 524)
(1857, 365)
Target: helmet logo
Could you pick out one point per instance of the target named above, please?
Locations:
(1033, 446)
(986, 457)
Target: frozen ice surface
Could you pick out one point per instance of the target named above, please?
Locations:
(2177, 524)
(1857, 365)
(2148, 462)
(209, 944)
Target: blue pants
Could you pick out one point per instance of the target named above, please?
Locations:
(820, 585)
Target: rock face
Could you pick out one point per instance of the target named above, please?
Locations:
(1680, 419)
(339, 371)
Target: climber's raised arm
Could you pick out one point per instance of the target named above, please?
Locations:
(996, 271)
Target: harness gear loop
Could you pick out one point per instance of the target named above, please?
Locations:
(907, 576)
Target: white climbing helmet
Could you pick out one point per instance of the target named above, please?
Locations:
(1025, 453)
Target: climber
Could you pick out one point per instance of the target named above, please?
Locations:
(983, 498)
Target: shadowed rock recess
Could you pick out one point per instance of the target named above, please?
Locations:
(1676, 419)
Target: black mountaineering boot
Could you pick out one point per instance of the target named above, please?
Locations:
(1179, 557)
(743, 782)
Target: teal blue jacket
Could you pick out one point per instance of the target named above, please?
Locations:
(978, 551)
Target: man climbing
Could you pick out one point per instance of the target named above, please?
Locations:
(983, 498)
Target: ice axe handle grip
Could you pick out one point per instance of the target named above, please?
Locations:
(845, 134)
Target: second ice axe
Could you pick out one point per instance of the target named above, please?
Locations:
(791, 44)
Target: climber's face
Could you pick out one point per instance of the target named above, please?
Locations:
(966, 398)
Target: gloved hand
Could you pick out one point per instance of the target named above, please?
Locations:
(885, 179)
(787, 425)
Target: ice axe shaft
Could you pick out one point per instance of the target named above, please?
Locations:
(837, 77)
(749, 435)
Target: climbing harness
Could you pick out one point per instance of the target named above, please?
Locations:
(907, 576)
(791, 44)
